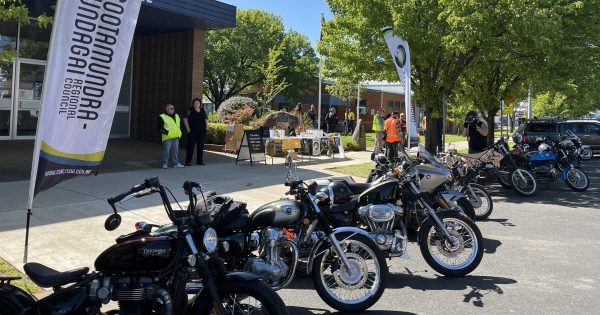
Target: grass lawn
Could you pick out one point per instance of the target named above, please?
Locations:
(370, 139)
(359, 170)
(7, 270)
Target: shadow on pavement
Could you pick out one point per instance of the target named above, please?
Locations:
(478, 286)
(490, 245)
(295, 310)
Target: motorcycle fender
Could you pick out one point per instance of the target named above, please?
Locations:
(346, 229)
(451, 196)
(16, 296)
(565, 171)
(239, 275)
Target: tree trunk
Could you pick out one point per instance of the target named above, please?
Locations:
(433, 134)
(490, 123)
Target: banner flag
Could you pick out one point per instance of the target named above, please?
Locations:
(88, 53)
(401, 56)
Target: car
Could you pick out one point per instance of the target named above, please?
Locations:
(588, 130)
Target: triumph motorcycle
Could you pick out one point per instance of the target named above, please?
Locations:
(435, 178)
(551, 160)
(347, 267)
(450, 242)
(146, 273)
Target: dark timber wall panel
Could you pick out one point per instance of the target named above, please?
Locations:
(165, 70)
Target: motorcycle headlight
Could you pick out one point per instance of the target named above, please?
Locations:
(210, 240)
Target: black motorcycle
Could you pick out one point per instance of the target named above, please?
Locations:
(450, 243)
(146, 273)
(348, 269)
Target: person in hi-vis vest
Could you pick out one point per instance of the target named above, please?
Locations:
(169, 125)
(393, 136)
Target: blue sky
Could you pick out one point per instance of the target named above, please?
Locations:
(303, 16)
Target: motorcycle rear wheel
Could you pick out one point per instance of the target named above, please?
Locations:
(242, 297)
(433, 244)
(487, 204)
(522, 188)
(586, 154)
(328, 271)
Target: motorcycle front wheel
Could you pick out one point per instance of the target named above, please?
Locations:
(352, 290)
(523, 182)
(242, 297)
(577, 179)
(451, 259)
(482, 202)
(503, 179)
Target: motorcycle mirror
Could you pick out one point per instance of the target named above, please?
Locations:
(112, 222)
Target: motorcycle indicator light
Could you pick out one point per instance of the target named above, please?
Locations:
(397, 171)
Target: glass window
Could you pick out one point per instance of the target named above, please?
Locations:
(4, 123)
(120, 125)
(125, 94)
(542, 128)
(568, 126)
(34, 41)
(591, 129)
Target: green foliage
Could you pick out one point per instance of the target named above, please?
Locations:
(345, 90)
(235, 58)
(273, 83)
(215, 133)
(351, 145)
(551, 105)
(214, 117)
(243, 115)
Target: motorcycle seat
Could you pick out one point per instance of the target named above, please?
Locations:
(355, 188)
(474, 155)
(47, 277)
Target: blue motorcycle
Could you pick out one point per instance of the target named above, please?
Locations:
(551, 160)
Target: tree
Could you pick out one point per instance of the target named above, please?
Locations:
(549, 104)
(273, 83)
(235, 58)
(344, 90)
(354, 46)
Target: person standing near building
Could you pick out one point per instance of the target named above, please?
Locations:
(403, 127)
(331, 120)
(312, 115)
(349, 118)
(169, 125)
(298, 110)
(195, 122)
(392, 139)
(476, 132)
(378, 128)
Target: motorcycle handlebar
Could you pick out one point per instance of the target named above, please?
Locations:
(148, 183)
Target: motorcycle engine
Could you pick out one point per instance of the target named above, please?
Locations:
(133, 293)
(270, 264)
(381, 222)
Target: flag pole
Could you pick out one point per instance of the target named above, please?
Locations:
(38, 141)
(320, 77)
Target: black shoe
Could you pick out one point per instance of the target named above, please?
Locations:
(188, 164)
(201, 163)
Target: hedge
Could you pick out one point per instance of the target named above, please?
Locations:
(215, 133)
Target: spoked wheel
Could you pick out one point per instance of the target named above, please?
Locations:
(240, 297)
(523, 182)
(572, 161)
(586, 153)
(480, 200)
(355, 289)
(577, 179)
(453, 258)
(502, 176)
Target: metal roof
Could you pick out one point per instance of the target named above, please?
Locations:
(163, 16)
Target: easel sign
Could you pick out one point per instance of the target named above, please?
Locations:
(252, 148)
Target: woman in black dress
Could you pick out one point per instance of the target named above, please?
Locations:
(195, 121)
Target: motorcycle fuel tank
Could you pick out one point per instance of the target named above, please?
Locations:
(280, 213)
(382, 193)
(142, 254)
(432, 177)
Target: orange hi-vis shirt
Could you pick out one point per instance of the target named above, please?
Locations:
(391, 129)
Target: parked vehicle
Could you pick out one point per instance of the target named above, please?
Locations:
(450, 243)
(579, 150)
(146, 273)
(434, 179)
(551, 160)
(588, 131)
(347, 267)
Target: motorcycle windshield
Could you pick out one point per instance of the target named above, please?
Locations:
(428, 157)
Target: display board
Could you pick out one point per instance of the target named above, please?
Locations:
(233, 137)
(251, 148)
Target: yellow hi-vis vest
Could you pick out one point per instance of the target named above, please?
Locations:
(376, 126)
(172, 126)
